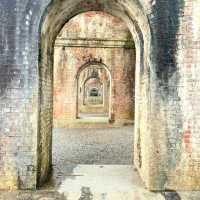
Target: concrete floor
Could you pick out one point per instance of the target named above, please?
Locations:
(105, 182)
(95, 164)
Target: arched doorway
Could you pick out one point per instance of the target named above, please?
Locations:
(99, 77)
(136, 21)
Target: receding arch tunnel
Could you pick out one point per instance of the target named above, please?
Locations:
(58, 14)
(93, 71)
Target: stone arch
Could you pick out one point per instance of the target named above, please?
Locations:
(59, 13)
(90, 77)
(88, 65)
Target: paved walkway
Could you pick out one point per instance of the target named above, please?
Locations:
(105, 182)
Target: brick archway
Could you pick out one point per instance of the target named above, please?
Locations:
(133, 15)
(93, 64)
(167, 115)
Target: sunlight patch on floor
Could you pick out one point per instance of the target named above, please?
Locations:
(104, 182)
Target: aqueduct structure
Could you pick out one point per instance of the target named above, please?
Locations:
(166, 35)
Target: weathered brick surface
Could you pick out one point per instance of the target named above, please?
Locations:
(166, 35)
(18, 136)
(185, 145)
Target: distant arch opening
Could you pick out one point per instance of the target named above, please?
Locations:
(94, 92)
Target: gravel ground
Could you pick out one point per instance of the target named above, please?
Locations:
(93, 146)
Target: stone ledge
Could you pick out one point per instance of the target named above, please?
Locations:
(94, 43)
